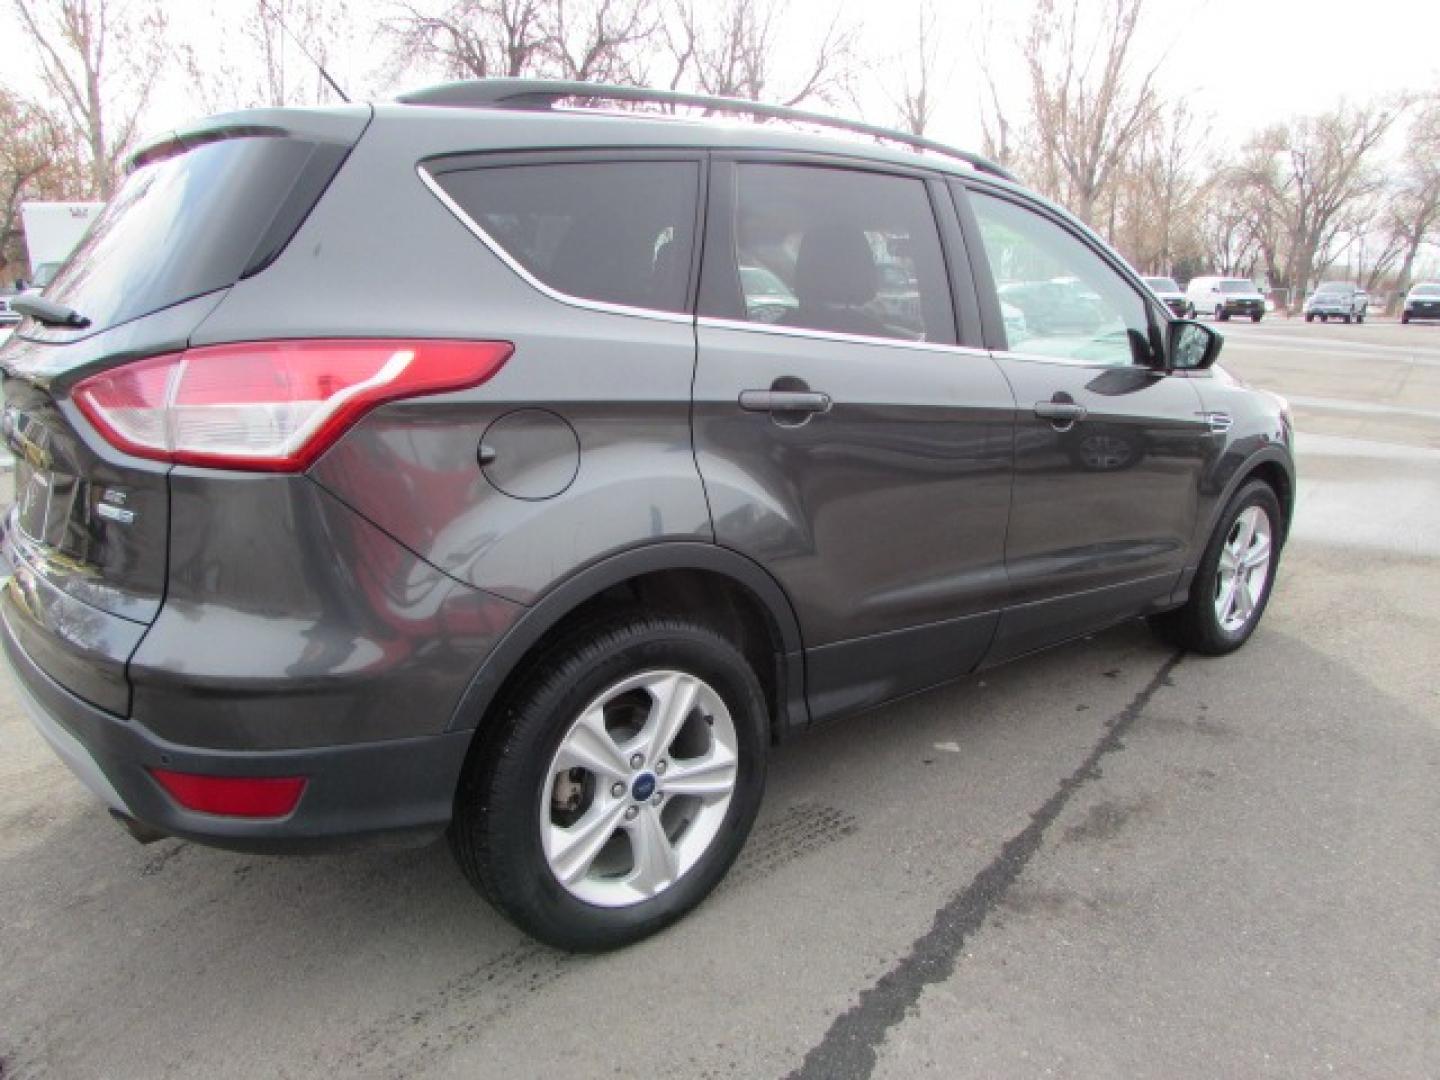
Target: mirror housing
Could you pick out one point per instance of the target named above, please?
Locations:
(1191, 346)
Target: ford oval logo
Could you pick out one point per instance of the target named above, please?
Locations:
(643, 787)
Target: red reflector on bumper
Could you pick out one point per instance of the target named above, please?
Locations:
(233, 796)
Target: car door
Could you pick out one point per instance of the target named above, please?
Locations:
(853, 435)
(1109, 447)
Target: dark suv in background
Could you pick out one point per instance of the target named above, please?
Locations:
(430, 465)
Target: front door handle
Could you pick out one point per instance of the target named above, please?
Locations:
(1059, 412)
(784, 401)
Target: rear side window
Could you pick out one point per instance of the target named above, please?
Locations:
(192, 223)
(841, 250)
(617, 232)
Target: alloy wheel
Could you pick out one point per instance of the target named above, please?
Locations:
(639, 788)
(1244, 569)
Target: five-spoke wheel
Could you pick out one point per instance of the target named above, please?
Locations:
(1233, 581)
(638, 788)
(1244, 568)
(619, 782)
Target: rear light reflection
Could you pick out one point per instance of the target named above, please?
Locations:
(270, 406)
(233, 796)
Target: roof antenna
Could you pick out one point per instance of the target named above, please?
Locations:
(306, 52)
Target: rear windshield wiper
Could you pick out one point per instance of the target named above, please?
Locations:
(48, 312)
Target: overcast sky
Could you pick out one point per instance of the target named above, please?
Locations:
(1240, 63)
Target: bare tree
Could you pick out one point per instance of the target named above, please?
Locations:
(583, 40)
(1154, 195)
(293, 40)
(598, 40)
(270, 54)
(1306, 177)
(1413, 212)
(728, 48)
(37, 161)
(921, 77)
(475, 38)
(1226, 225)
(1088, 103)
(99, 60)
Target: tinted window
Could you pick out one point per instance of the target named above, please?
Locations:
(183, 226)
(1238, 287)
(621, 232)
(1162, 284)
(1058, 297)
(839, 250)
(1426, 290)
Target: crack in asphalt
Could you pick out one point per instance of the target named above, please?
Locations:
(849, 1048)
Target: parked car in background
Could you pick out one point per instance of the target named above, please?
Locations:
(1421, 302)
(1341, 300)
(1169, 291)
(549, 548)
(1222, 297)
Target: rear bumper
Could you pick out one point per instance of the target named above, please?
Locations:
(398, 789)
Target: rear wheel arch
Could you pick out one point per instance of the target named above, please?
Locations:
(710, 584)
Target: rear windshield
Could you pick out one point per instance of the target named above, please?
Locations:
(1335, 288)
(1426, 290)
(1237, 287)
(182, 226)
(622, 232)
(1162, 284)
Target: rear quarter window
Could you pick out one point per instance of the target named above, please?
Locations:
(617, 232)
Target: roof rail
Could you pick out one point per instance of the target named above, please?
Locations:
(544, 94)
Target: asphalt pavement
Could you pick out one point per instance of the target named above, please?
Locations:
(1108, 860)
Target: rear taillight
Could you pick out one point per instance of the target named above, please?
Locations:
(233, 796)
(270, 406)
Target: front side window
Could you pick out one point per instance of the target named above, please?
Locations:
(845, 251)
(1058, 298)
(618, 232)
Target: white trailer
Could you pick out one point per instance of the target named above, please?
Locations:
(52, 231)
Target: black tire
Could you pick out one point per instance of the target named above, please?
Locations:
(1195, 626)
(1404, 319)
(1309, 317)
(495, 832)
(1255, 318)
(1221, 315)
(1346, 318)
(1324, 318)
(1360, 318)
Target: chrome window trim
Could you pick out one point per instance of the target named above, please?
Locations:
(715, 323)
(530, 279)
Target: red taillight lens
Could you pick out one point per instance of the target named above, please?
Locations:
(233, 796)
(271, 406)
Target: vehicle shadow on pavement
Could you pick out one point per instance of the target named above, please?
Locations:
(376, 960)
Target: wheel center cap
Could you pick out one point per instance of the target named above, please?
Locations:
(643, 787)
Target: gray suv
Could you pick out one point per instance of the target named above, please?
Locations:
(430, 466)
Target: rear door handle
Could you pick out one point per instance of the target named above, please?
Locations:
(784, 401)
(1063, 412)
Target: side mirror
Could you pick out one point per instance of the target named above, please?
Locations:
(1192, 346)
